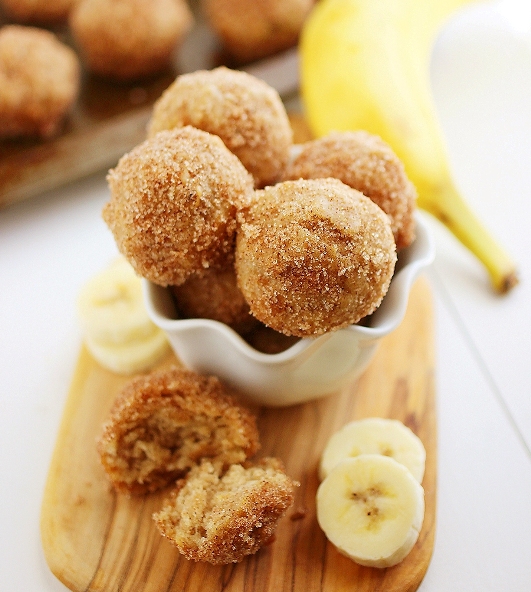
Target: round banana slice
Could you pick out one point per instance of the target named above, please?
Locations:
(371, 508)
(132, 357)
(111, 307)
(375, 435)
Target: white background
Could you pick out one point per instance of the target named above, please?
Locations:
(50, 245)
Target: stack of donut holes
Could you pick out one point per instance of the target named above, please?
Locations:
(120, 40)
(214, 205)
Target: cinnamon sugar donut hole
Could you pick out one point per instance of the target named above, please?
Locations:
(39, 82)
(214, 294)
(129, 39)
(366, 163)
(173, 205)
(313, 256)
(245, 112)
(251, 30)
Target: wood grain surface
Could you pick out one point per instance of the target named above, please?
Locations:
(95, 540)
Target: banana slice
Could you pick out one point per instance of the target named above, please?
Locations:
(129, 358)
(371, 508)
(111, 306)
(118, 331)
(375, 435)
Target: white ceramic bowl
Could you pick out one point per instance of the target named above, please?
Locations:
(312, 367)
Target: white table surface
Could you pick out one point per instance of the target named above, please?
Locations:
(51, 244)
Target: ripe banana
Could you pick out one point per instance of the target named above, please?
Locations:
(118, 331)
(371, 508)
(375, 435)
(364, 64)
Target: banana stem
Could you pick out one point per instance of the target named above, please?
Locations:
(457, 216)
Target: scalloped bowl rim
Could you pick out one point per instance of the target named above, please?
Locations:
(419, 255)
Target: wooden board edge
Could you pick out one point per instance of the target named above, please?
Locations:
(415, 573)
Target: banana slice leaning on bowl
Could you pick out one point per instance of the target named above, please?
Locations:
(118, 331)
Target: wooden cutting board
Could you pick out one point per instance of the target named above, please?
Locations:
(98, 541)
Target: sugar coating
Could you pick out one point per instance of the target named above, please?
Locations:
(215, 295)
(252, 30)
(221, 517)
(366, 163)
(129, 39)
(245, 112)
(163, 423)
(313, 256)
(39, 81)
(173, 205)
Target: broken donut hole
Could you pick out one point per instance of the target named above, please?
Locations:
(165, 422)
(220, 516)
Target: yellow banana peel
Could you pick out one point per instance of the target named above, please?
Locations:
(365, 65)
